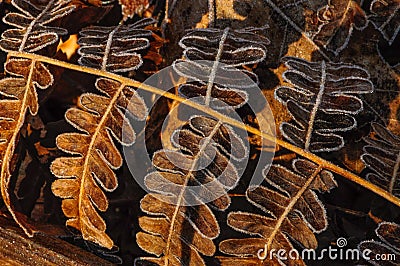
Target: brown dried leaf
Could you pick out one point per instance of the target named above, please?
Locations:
(386, 18)
(337, 21)
(84, 177)
(327, 23)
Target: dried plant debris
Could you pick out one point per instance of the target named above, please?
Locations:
(382, 156)
(292, 211)
(328, 24)
(129, 7)
(132, 7)
(387, 250)
(386, 18)
(322, 101)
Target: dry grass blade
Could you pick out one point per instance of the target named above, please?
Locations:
(293, 210)
(84, 177)
(382, 156)
(32, 31)
(322, 102)
(114, 49)
(387, 251)
(187, 185)
(19, 93)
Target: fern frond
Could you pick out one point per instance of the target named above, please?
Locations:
(292, 210)
(84, 177)
(19, 91)
(388, 247)
(116, 48)
(322, 101)
(33, 32)
(186, 186)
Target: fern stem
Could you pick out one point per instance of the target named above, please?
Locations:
(108, 48)
(214, 69)
(308, 155)
(30, 27)
(317, 104)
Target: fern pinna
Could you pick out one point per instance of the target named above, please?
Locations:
(32, 33)
(196, 177)
(101, 118)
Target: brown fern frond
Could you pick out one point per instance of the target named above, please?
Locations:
(101, 118)
(20, 95)
(84, 177)
(293, 210)
(186, 186)
(322, 102)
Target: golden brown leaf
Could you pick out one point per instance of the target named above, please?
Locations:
(84, 177)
